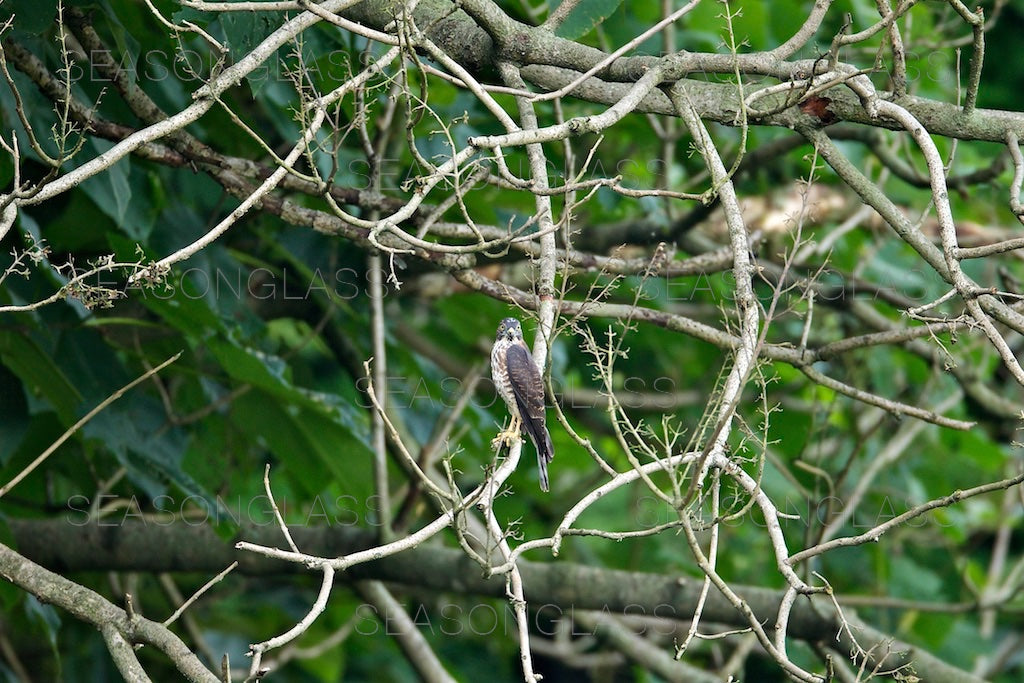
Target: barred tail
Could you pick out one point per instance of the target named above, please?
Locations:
(545, 454)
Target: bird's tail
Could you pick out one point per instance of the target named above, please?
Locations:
(545, 454)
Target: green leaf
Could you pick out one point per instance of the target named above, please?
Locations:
(312, 444)
(271, 374)
(188, 314)
(585, 17)
(246, 30)
(112, 192)
(14, 417)
(30, 16)
(10, 594)
(135, 431)
(39, 373)
(46, 617)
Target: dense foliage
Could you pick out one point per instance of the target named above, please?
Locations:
(271, 331)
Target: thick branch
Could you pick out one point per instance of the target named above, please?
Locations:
(93, 608)
(71, 545)
(552, 62)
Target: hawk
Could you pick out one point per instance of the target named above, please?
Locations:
(518, 381)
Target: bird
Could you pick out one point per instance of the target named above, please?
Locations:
(518, 381)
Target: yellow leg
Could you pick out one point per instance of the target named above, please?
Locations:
(506, 436)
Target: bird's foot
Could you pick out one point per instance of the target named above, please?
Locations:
(506, 436)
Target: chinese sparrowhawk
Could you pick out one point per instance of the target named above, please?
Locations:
(518, 381)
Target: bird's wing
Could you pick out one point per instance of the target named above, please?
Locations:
(528, 390)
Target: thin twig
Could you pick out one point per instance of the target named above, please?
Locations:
(78, 425)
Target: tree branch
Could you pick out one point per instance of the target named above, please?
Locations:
(136, 546)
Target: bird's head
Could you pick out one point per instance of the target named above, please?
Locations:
(510, 329)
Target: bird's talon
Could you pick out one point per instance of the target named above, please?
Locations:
(504, 438)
